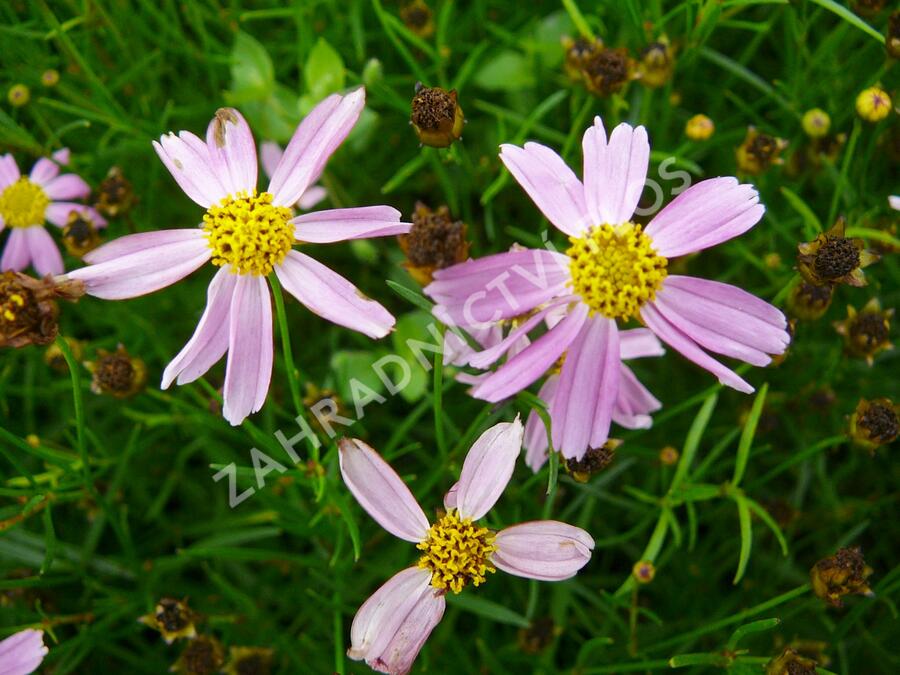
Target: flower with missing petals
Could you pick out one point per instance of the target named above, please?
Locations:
(118, 373)
(248, 235)
(28, 308)
(27, 202)
(393, 624)
(173, 619)
(759, 151)
(832, 258)
(866, 332)
(790, 662)
(202, 655)
(21, 653)
(436, 116)
(809, 301)
(615, 270)
(874, 423)
(843, 573)
(434, 242)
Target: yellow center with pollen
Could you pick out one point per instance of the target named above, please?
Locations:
(615, 269)
(23, 203)
(457, 552)
(249, 233)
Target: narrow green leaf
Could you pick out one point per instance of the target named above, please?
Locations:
(488, 609)
(770, 523)
(743, 451)
(749, 628)
(850, 18)
(746, 537)
(417, 299)
(810, 219)
(683, 660)
(692, 442)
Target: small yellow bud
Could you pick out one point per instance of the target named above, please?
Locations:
(643, 571)
(50, 78)
(816, 123)
(699, 128)
(873, 104)
(668, 456)
(18, 95)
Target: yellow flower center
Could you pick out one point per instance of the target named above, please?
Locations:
(23, 204)
(249, 233)
(457, 552)
(615, 269)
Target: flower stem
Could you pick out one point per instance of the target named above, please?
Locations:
(293, 374)
(79, 409)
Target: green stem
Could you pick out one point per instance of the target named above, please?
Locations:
(79, 409)
(293, 375)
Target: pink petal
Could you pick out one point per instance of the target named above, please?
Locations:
(45, 256)
(21, 653)
(58, 213)
(331, 296)
(637, 343)
(317, 137)
(67, 186)
(388, 611)
(500, 286)
(588, 386)
(16, 253)
(325, 227)
(723, 318)
(614, 173)
(404, 647)
(676, 339)
(550, 183)
(232, 151)
(187, 159)
(450, 499)
(536, 442)
(9, 171)
(135, 243)
(269, 156)
(250, 351)
(490, 355)
(546, 550)
(311, 197)
(894, 202)
(528, 365)
(160, 263)
(381, 492)
(62, 156)
(634, 402)
(487, 468)
(43, 171)
(706, 214)
(210, 340)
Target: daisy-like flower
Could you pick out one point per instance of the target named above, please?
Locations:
(614, 270)
(27, 202)
(393, 624)
(22, 652)
(248, 234)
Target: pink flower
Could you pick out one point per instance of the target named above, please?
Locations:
(613, 271)
(21, 653)
(270, 154)
(894, 201)
(26, 203)
(392, 625)
(248, 235)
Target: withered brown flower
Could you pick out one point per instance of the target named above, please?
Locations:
(28, 308)
(843, 573)
(436, 116)
(434, 242)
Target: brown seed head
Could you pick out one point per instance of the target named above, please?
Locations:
(844, 573)
(436, 116)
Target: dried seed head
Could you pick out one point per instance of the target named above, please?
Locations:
(28, 309)
(866, 332)
(790, 662)
(594, 461)
(699, 128)
(434, 242)
(808, 301)
(578, 52)
(117, 374)
(54, 358)
(874, 423)
(173, 619)
(608, 71)
(115, 195)
(873, 104)
(80, 235)
(419, 18)
(656, 63)
(202, 656)
(436, 116)
(249, 661)
(832, 258)
(538, 636)
(844, 573)
(759, 151)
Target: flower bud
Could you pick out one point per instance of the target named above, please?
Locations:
(418, 17)
(80, 236)
(248, 661)
(656, 63)
(643, 571)
(115, 195)
(816, 123)
(18, 95)
(873, 104)
(699, 128)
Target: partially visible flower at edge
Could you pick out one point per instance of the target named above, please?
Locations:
(248, 235)
(391, 627)
(27, 202)
(21, 653)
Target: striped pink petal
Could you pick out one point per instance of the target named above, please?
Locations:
(44, 254)
(381, 492)
(487, 468)
(529, 364)
(157, 260)
(331, 296)
(551, 184)
(316, 139)
(581, 411)
(43, 171)
(187, 159)
(210, 340)
(58, 213)
(16, 252)
(9, 171)
(67, 186)
(637, 343)
(682, 343)
(536, 442)
(635, 403)
(21, 653)
(363, 222)
(546, 550)
(706, 214)
(313, 195)
(269, 156)
(232, 151)
(136, 243)
(250, 351)
(614, 172)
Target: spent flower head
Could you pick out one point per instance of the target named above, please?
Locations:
(832, 258)
(866, 332)
(436, 116)
(434, 242)
(28, 308)
(117, 374)
(843, 573)
(874, 423)
(173, 618)
(759, 151)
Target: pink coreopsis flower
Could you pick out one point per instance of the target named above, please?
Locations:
(392, 625)
(894, 201)
(27, 202)
(614, 271)
(21, 653)
(270, 154)
(248, 234)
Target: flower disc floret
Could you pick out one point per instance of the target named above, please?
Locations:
(249, 233)
(23, 204)
(615, 269)
(457, 552)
